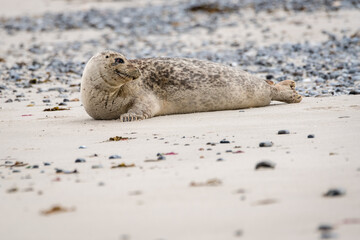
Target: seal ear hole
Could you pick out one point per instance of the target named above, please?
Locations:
(119, 60)
(106, 56)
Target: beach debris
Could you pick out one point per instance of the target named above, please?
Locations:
(266, 144)
(12, 190)
(238, 233)
(265, 165)
(212, 8)
(311, 136)
(18, 164)
(238, 151)
(115, 156)
(169, 153)
(59, 171)
(119, 138)
(56, 209)
(326, 231)
(282, 132)
(211, 182)
(80, 160)
(55, 109)
(26, 115)
(123, 165)
(335, 192)
(97, 166)
(265, 201)
(160, 157)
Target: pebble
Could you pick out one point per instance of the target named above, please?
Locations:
(280, 132)
(224, 141)
(80, 160)
(311, 136)
(47, 164)
(335, 192)
(266, 144)
(265, 164)
(82, 147)
(115, 157)
(97, 166)
(220, 159)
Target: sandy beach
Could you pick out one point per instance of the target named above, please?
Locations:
(64, 175)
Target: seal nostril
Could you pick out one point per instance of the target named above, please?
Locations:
(107, 57)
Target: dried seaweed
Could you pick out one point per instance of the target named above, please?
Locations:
(56, 209)
(119, 138)
(211, 182)
(212, 8)
(55, 109)
(58, 170)
(123, 165)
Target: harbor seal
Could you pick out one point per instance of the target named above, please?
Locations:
(114, 87)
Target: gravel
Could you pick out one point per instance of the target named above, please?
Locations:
(327, 68)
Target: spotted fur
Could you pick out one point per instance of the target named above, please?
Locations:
(143, 88)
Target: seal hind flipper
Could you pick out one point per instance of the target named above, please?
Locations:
(285, 92)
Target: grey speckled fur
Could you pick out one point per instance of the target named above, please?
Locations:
(114, 87)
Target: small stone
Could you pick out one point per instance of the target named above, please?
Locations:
(100, 184)
(161, 157)
(35, 166)
(334, 192)
(224, 141)
(16, 171)
(265, 164)
(219, 159)
(325, 227)
(266, 144)
(97, 166)
(9, 101)
(280, 132)
(80, 160)
(115, 157)
(46, 100)
(311, 136)
(82, 147)
(47, 164)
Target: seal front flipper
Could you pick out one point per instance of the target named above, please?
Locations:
(139, 111)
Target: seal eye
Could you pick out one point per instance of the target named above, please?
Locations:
(119, 60)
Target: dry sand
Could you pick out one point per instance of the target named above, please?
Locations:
(155, 200)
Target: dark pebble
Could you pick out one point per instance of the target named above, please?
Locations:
(311, 136)
(47, 164)
(280, 132)
(224, 141)
(265, 164)
(334, 192)
(62, 104)
(9, 101)
(66, 100)
(266, 144)
(80, 160)
(46, 100)
(16, 171)
(35, 166)
(325, 227)
(115, 157)
(220, 159)
(161, 157)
